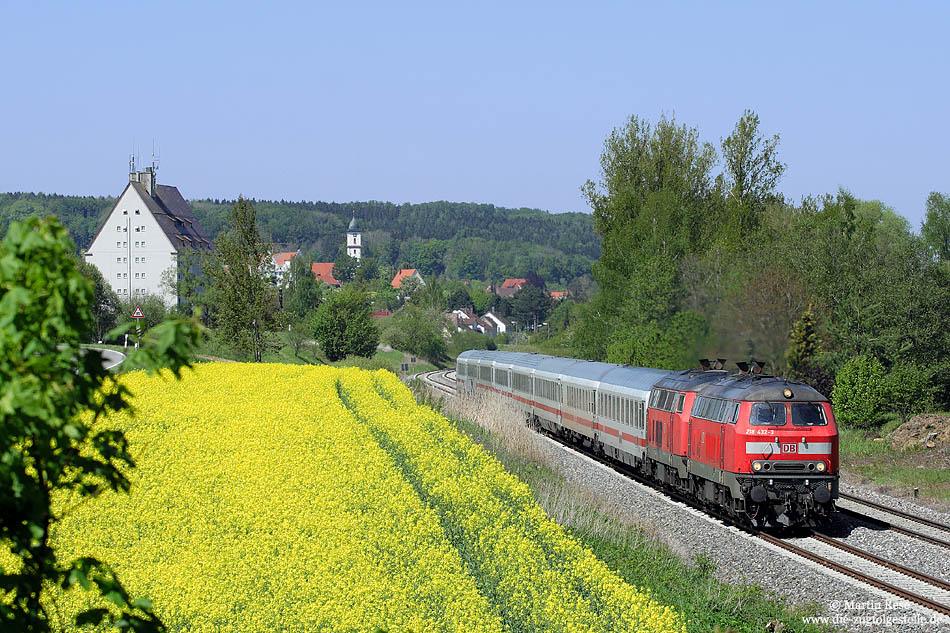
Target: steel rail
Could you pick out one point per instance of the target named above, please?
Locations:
(857, 575)
(896, 528)
(868, 556)
(904, 515)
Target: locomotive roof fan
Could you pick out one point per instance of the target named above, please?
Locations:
(720, 363)
(757, 366)
(743, 367)
(704, 363)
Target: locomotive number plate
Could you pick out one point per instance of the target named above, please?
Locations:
(789, 447)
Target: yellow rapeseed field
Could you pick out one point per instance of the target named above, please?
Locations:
(290, 498)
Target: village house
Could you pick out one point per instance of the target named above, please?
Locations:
(405, 273)
(499, 324)
(281, 263)
(323, 271)
(140, 240)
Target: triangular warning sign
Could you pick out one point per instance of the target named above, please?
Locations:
(138, 313)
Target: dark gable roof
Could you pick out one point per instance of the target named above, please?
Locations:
(175, 216)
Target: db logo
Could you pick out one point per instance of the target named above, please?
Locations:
(789, 447)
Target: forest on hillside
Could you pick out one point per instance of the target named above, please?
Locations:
(460, 240)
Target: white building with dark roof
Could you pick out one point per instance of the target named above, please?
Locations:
(141, 238)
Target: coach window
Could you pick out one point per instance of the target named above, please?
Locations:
(735, 414)
(679, 404)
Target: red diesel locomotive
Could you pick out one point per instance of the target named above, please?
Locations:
(760, 448)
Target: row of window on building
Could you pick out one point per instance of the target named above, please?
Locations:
(125, 260)
(126, 245)
(126, 275)
(123, 229)
(125, 291)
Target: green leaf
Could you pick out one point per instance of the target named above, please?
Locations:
(115, 597)
(142, 603)
(78, 575)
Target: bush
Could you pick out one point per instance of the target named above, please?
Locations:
(860, 393)
(462, 341)
(342, 325)
(909, 390)
(418, 332)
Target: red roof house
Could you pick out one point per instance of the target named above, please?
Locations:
(406, 272)
(558, 295)
(323, 271)
(284, 258)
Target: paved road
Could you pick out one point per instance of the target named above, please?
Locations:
(110, 358)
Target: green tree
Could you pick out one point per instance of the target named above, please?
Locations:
(409, 287)
(368, 269)
(302, 291)
(751, 166)
(936, 227)
(465, 266)
(152, 306)
(459, 299)
(430, 296)
(185, 280)
(652, 208)
(344, 268)
(803, 343)
(530, 305)
(427, 257)
(52, 444)
(909, 390)
(245, 302)
(860, 393)
(105, 302)
(419, 332)
(343, 325)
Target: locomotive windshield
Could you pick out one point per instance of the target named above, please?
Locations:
(808, 414)
(767, 414)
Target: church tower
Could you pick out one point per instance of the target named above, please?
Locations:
(354, 246)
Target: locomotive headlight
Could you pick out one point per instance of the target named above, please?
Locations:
(821, 467)
(756, 466)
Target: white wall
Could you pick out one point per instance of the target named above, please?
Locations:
(353, 245)
(133, 261)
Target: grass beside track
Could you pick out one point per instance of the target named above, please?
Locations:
(867, 458)
(638, 557)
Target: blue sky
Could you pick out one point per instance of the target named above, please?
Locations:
(507, 103)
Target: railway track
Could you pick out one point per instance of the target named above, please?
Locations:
(927, 591)
(921, 589)
(440, 380)
(895, 520)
